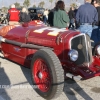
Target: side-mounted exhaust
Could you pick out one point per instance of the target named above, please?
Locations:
(23, 45)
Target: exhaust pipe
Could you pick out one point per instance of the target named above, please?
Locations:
(23, 45)
(76, 78)
(2, 39)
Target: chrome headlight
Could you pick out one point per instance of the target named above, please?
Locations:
(98, 49)
(73, 54)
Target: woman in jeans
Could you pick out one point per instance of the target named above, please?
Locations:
(71, 17)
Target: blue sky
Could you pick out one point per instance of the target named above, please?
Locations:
(47, 4)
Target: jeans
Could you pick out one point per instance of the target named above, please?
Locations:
(71, 23)
(96, 34)
(86, 29)
(45, 20)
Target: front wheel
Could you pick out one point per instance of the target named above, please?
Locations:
(47, 74)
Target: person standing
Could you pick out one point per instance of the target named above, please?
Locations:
(75, 11)
(24, 16)
(2, 19)
(96, 29)
(61, 18)
(86, 16)
(71, 17)
(96, 4)
(45, 16)
(51, 16)
(13, 15)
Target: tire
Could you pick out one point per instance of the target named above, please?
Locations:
(47, 74)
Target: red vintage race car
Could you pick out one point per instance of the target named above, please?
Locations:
(51, 53)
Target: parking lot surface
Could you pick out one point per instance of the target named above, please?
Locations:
(15, 84)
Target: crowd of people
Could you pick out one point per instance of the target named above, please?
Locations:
(86, 18)
(15, 16)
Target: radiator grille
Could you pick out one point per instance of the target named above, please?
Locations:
(82, 44)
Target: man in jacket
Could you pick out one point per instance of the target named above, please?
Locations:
(13, 15)
(87, 16)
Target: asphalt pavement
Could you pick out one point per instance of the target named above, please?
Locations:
(15, 84)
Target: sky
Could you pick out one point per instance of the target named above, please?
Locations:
(7, 3)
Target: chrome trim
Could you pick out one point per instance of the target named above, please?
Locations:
(70, 54)
(74, 37)
(82, 34)
(87, 50)
(97, 49)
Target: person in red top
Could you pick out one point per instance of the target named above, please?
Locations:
(13, 15)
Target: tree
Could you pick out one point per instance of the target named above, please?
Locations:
(73, 5)
(17, 5)
(21, 6)
(41, 4)
(4, 9)
(34, 6)
(26, 3)
(51, 2)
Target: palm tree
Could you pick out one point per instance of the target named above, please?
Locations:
(4, 9)
(34, 6)
(17, 4)
(41, 4)
(51, 2)
(26, 3)
(73, 5)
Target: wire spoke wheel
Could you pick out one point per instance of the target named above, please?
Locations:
(42, 75)
(47, 74)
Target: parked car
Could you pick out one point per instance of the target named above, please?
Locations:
(36, 13)
(50, 52)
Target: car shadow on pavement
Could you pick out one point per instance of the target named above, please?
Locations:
(27, 73)
(71, 89)
(4, 84)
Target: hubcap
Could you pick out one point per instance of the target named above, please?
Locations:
(40, 75)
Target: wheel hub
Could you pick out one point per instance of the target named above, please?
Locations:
(40, 75)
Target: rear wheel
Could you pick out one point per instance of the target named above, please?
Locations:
(47, 74)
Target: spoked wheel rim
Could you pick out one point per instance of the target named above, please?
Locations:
(41, 75)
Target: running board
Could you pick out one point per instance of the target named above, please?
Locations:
(76, 78)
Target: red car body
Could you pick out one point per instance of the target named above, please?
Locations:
(22, 42)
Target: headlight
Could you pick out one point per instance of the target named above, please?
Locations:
(98, 49)
(73, 54)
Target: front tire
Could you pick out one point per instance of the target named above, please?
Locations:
(47, 74)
